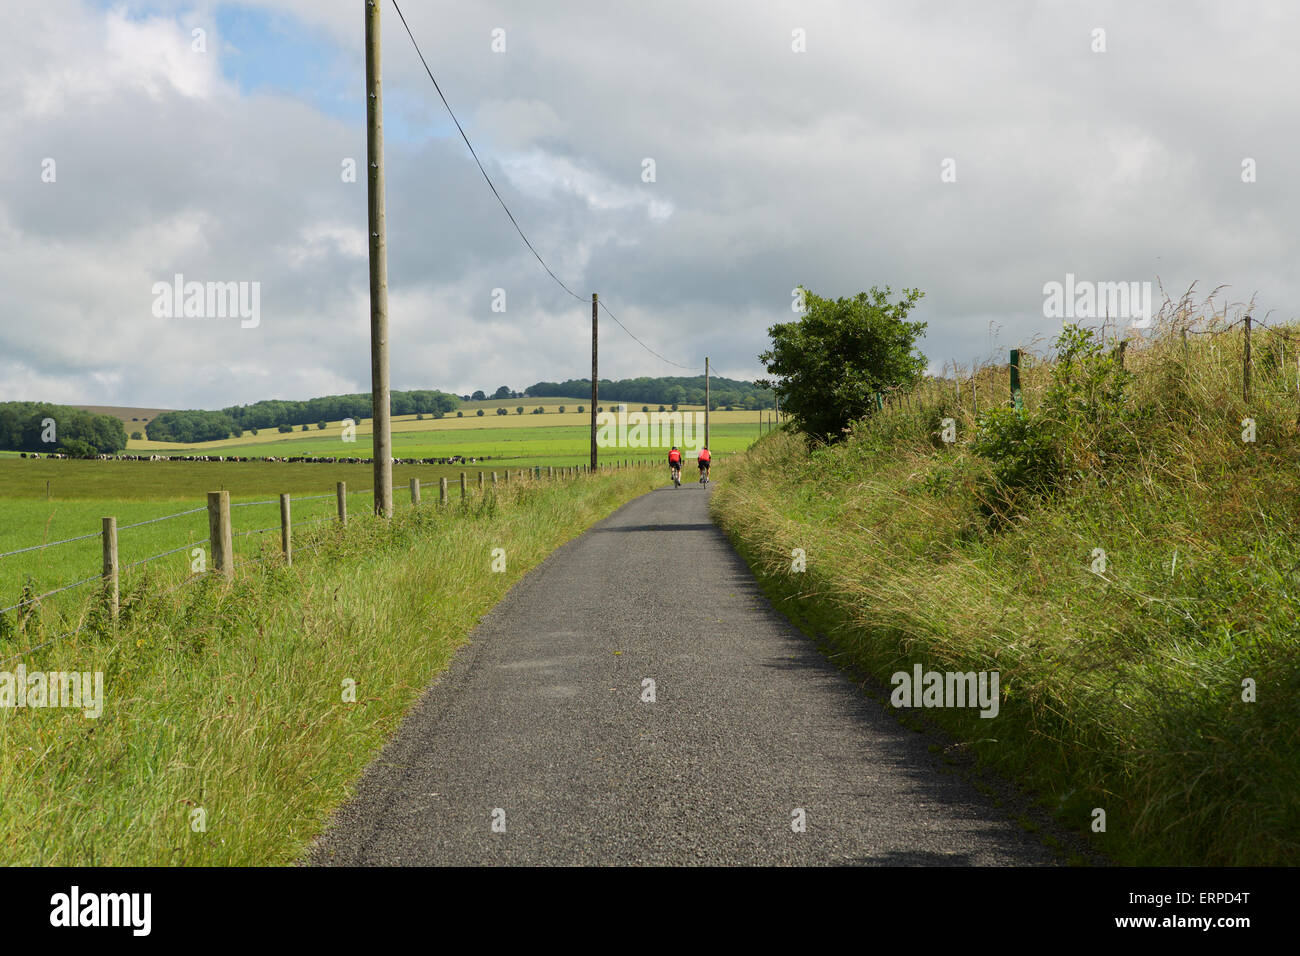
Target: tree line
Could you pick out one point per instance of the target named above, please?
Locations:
(40, 426)
(196, 425)
(723, 392)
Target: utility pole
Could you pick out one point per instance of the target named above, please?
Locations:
(707, 403)
(595, 392)
(382, 440)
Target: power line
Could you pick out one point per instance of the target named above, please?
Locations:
(513, 221)
(488, 178)
(689, 368)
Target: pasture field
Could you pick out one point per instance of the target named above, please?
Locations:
(83, 492)
(46, 500)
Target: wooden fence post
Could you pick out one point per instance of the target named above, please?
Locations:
(550, 471)
(480, 480)
(286, 530)
(341, 492)
(1245, 365)
(494, 479)
(442, 490)
(415, 491)
(111, 592)
(219, 533)
(462, 486)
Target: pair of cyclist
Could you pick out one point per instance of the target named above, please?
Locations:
(675, 462)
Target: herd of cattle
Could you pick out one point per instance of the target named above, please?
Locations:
(453, 460)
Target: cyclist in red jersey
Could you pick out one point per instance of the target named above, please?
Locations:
(704, 459)
(675, 462)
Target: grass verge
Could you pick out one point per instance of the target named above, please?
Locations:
(230, 699)
(1161, 686)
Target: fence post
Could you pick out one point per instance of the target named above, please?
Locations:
(1015, 378)
(1120, 352)
(442, 490)
(111, 592)
(341, 492)
(219, 533)
(1245, 365)
(507, 476)
(286, 530)
(494, 479)
(550, 471)
(415, 491)
(480, 480)
(462, 486)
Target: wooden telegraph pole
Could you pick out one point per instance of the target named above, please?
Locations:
(707, 403)
(379, 393)
(595, 392)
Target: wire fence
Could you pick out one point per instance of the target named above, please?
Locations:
(1255, 366)
(216, 557)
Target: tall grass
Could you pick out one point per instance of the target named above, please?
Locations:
(1123, 688)
(230, 698)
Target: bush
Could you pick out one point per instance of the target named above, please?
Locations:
(581, 409)
(835, 358)
(304, 428)
(460, 414)
(285, 429)
(76, 448)
(560, 409)
(480, 413)
(503, 411)
(136, 436)
(662, 409)
(319, 425)
(1082, 426)
(1024, 449)
(519, 410)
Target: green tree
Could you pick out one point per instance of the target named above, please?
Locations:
(833, 359)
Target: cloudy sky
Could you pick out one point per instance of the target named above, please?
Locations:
(220, 155)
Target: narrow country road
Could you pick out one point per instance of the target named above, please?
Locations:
(541, 717)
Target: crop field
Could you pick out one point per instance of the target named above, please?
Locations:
(552, 438)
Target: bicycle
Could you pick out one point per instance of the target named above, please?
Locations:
(704, 476)
(676, 471)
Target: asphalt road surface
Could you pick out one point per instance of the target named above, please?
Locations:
(537, 747)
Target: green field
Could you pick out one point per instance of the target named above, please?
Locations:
(83, 492)
(513, 445)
